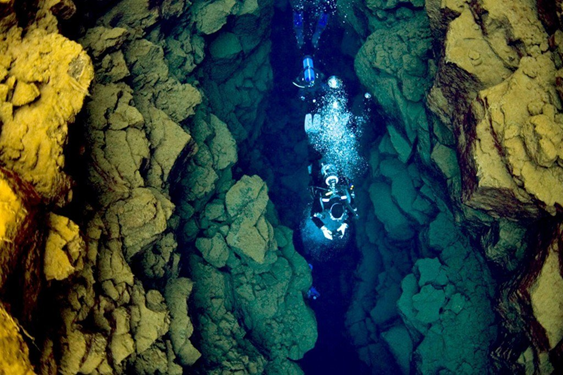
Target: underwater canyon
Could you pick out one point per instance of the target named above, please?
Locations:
(155, 187)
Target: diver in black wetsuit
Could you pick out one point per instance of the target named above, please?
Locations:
(332, 206)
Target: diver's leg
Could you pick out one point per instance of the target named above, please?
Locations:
(298, 28)
(321, 26)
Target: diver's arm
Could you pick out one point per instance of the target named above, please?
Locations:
(353, 211)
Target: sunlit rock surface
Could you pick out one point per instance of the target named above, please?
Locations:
(496, 88)
(44, 78)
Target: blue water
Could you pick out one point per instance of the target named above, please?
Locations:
(333, 263)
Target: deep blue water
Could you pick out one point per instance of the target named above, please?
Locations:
(332, 274)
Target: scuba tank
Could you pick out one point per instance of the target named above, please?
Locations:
(308, 70)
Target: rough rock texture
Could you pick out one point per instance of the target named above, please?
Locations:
(502, 75)
(239, 69)
(64, 248)
(423, 295)
(393, 64)
(44, 78)
(497, 89)
(249, 281)
(14, 350)
(423, 300)
(126, 308)
(128, 293)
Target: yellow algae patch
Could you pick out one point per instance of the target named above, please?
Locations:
(15, 354)
(63, 248)
(46, 82)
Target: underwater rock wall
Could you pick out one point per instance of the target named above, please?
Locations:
(238, 72)
(247, 305)
(44, 78)
(427, 308)
(126, 311)
(250, 312)
(125, 307)
(251, 315)
(498, 88)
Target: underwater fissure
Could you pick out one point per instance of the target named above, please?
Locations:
(172, 203)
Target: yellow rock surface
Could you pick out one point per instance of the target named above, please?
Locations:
(63, 248)
(467, 48)
(11, 212)
(47, 79)
(44, 78)
(496, 57)
(16, 226)
(24, 93)
(15, 354)
(546, 297)
(523, 123)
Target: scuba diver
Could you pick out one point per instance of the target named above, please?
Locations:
(332, 206)
(310, 10)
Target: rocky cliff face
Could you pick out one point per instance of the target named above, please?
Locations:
(427, 306)
(125, 307)
(498, 89)
(491, 72)
(144, 248)
(44, 78)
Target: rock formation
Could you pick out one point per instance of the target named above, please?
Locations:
(493, 139)
(143, 245)
(44, 78)
(125, 306)
(496, 88)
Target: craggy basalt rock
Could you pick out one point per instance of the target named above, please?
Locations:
(126, 309)
(132, 140)
(44, 78)
(497, 89)
(249, 280)
(423, 299)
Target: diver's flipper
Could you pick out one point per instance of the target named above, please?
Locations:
(308, 123)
